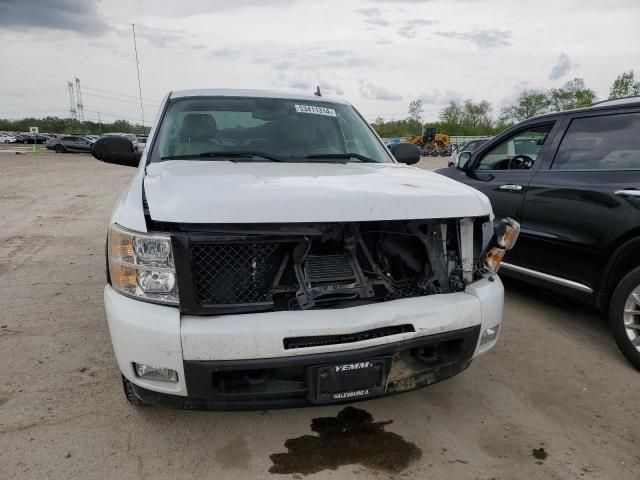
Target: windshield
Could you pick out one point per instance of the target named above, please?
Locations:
(259, 129)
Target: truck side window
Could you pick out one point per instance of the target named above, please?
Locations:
(526, 143)
(606, 142)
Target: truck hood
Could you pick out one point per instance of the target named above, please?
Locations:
(242, 192)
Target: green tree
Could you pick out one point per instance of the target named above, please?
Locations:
(452, 114)
(415, 111)
(573, 94)
(625, 85)
(477, 115)
(529, 104)
(69, 125)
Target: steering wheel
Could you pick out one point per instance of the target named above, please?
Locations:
(520, 162)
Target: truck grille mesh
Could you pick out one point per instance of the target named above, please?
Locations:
(235, 273)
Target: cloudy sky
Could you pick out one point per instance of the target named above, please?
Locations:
(379, 54)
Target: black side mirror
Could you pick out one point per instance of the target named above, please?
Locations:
(116, 150)
(464, 161)
(405, 153)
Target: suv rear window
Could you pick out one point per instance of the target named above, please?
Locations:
(607, 142)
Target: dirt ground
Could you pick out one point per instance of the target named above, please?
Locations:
(555, 399)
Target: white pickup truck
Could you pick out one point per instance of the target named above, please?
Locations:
(272, 252)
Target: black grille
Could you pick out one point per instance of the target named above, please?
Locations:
(328, 268)
(322, 340)
(235, 273)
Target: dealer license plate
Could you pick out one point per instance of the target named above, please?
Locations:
(341, 382)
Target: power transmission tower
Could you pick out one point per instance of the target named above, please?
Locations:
(72, 102)
(79, 100)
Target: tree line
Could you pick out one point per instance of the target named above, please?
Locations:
(475, 118)
(69, 125)
(467, 117)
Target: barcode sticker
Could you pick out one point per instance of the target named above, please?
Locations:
(330, 112)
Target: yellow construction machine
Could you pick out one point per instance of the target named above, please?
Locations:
(428, 138)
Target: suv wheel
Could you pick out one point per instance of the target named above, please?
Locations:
(131, 396)
(624, 315)
(59, 148)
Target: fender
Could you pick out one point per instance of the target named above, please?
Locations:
(617, 266)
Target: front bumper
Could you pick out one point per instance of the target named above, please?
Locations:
(201, 349)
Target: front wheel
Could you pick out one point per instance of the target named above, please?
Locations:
(59, 148)
(624, 315)
(130, 395)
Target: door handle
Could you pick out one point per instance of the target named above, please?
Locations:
(628, 193)
(510, 187)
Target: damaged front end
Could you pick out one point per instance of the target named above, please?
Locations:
(249, 268)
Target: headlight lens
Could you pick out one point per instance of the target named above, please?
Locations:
(141, 265)
(506, 234)
(494, 259)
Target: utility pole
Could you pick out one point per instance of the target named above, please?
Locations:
(99, 123)
(135, 47)
(72, 102)
(79, 100)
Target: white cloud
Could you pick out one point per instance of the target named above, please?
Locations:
(561, 68)
(377, 21)
(483, 49)
(80, 16)
(369, 91)
(482, 38)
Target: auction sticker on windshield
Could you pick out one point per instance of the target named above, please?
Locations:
(330, 112)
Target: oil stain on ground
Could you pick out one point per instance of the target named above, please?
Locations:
(351, 437)
(540, 453)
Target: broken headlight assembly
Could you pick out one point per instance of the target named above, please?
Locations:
(506, 234)
(141, 265)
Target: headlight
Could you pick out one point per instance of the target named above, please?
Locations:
(506, 234)
(141, 265)
(494, 259)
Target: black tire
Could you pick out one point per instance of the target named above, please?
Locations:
(59, 148)
(621, 294)
(130, 395)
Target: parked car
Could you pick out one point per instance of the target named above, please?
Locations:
(6, 138)
(70, 143)
(129, 136)
(573, 181)
(393, 141)
(271, 251)
(468, 147)
(32, 138)
(141, 141)
(20, 137)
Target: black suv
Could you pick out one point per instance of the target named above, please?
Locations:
(572, 180)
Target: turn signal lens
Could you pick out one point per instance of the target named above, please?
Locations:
(141, 265)
(507, 232)
(494, 259)
(123, 278)
(121, 245)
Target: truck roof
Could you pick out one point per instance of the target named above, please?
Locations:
(233, 92)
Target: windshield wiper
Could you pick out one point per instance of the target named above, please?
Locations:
(342, 156)
(225, 156)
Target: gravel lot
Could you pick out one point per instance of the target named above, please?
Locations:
(555, 398)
